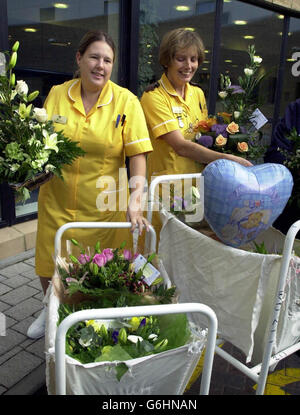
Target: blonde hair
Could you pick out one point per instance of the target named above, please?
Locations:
(179, 39)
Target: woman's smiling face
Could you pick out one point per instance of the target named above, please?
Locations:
(95, 65)
(183, 66)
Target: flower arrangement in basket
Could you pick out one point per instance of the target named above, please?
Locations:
(31, 151)
(117, 278)
(235, 130)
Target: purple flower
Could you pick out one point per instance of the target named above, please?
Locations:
(127, 254)
(100, 260)
(115, 335)
(108, 253)
(205, 140)
(236, 89)
(220, 129)
(143, 322)
(83, 258)
(179, 203)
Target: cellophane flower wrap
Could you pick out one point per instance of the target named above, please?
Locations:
(109, 279)
(231, 130)
(29, 144)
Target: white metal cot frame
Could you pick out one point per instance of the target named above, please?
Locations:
(258, 373)
(121, 312)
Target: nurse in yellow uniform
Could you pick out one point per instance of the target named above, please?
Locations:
(108, 122)
(173, 106)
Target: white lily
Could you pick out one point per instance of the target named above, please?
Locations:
(153, 337)
(50, 141)
(248, 71)
(223, 94)
(22, 88)
(257, 59)
(134, 339)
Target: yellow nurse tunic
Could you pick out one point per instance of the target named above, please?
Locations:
(166, 111)
(95, 186)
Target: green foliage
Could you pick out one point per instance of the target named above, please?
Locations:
(292, 162)
(260, 248)
(122, 339)
(110, 275)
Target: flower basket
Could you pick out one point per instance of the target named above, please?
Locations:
(34, 183)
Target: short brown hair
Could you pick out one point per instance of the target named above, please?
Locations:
(91, 37)
(179, 39)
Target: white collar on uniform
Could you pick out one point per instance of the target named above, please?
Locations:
(105, 98)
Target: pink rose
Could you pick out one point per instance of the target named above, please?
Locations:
(83, 258)
(108, 253)
(100, 260)
(127, 254)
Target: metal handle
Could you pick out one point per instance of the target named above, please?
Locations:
(123, 312)
(285, 262)
(165, 178)
(115, 225)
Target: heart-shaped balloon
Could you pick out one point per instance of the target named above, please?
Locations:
(241, 202)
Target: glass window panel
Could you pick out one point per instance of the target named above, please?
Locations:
(291, 85)
(157, 18)
(48, 38)
(244, 25)
(30, 206)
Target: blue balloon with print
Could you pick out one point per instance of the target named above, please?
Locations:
(241, 202)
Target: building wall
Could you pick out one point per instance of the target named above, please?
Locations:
(289, 4)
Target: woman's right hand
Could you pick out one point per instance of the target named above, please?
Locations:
(240, 160)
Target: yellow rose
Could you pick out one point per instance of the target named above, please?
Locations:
(242, 147)
(220, 141)
(232, 128)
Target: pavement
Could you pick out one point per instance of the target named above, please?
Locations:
(22, 360)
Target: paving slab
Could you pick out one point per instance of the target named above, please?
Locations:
(12, 339)
(24, 309)
(16, 368)
(18, 295)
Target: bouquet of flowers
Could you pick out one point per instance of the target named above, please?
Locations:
(31, 151)
(222, 134)
(116, 277)
(232, 131)
(240, 100)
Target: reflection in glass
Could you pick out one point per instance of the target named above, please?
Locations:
(157, 18)
(291, 85)
(261, 30)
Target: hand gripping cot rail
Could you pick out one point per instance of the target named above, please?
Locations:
(112, 313)
(257, 312)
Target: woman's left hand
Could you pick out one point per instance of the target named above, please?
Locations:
(137, 219)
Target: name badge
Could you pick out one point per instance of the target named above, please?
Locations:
(60, 119)
(180, 122)
(177, 110)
